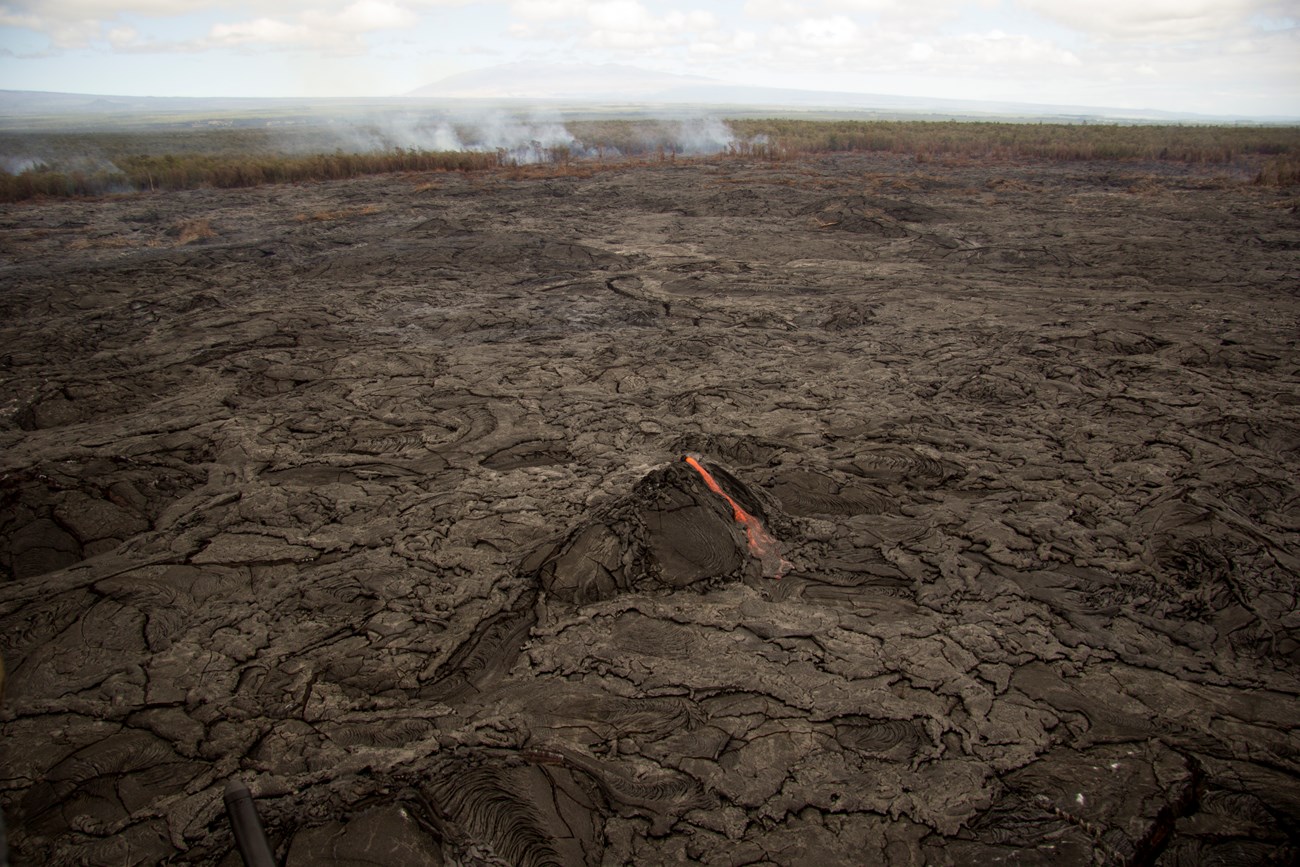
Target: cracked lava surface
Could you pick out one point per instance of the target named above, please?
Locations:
(375, 497)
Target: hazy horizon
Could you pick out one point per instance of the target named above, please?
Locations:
(1232, 57)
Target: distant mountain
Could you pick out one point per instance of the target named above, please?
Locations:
(575, 88)
(613, 83)
(32, 103)
(608, 81)
(881, 102)
(23, 102)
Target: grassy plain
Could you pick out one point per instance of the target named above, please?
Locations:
(225, 154)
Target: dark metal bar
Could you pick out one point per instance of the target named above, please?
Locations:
(254, 848)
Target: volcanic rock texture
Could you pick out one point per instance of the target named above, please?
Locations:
(373, 494)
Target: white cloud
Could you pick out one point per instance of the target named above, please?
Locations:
(547, 10)
(336, 31)
(325, 23)
(122, 37)
(616, 25)
(999, 50)
(738, 43)
(621, 15)
(369, 15)
(895, 8)
(69, 32)
(1159, 20)
(834, 32)
(25, 20)
(260, 31)
(1249, 47)
(868, 50)
(778, 9)
(103, 10)
(629, 16)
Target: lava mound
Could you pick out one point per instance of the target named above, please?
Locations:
(691, 523)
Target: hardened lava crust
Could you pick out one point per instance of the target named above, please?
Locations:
(372, 494)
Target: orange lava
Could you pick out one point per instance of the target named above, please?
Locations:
(761, 543)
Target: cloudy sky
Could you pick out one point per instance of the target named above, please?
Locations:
(1239, 57)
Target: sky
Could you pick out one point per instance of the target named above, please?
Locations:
(1221, 57)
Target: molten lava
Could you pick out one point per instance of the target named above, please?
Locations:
(761, 543)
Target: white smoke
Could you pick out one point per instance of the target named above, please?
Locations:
(444, 138)
(16, 165)
(704, 136)
(529, 138)
(532, 138)
(389, 132)
(525, 137)
(85, 163)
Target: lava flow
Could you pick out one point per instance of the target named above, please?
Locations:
(761, 543)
